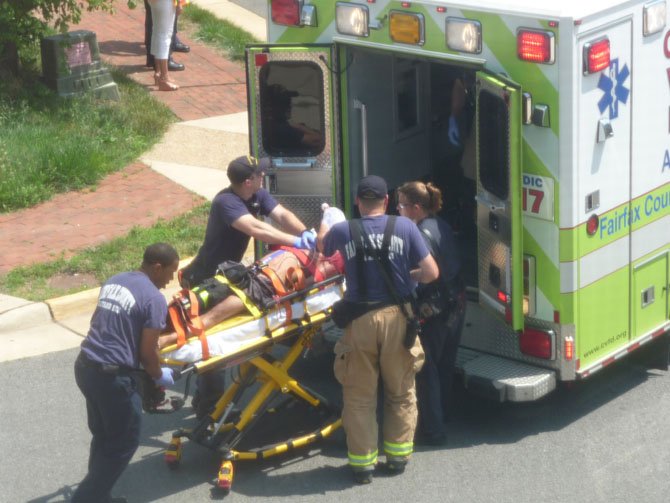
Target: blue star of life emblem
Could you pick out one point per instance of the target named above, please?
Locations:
(613, 88)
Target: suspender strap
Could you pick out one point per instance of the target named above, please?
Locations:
(364, 247)
(356, 229)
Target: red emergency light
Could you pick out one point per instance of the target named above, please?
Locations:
(285, 12)
(535, 46)
(596, 56)
(592, 224)
(535, 342)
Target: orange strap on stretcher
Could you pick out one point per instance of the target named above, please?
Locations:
(280, 288)
(190, 321)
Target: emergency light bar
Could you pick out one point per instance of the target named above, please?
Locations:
(352, 19)
(406, 27)
(464, 35)
(536, 46)
(654, 14)
(596, 56)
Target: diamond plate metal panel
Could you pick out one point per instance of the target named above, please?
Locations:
(487, 331)
(306, 208)
(522, 382)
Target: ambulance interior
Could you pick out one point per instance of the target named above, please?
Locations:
(398, 114)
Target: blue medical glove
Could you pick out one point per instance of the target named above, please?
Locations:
(454, 133)
(308, 239)
(166, 378)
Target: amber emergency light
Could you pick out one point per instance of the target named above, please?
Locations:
(406, 27)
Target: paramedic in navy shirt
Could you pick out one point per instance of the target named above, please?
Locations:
(130, 314)
(232, 221)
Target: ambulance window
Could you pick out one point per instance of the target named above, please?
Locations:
(406, 103)
(493, 123)
(292, 108)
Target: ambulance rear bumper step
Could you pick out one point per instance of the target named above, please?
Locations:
(501, 379)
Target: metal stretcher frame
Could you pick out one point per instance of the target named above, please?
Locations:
(222, 431)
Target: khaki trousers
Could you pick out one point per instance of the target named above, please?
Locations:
(372, 345)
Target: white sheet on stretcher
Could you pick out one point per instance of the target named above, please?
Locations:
(228, 341)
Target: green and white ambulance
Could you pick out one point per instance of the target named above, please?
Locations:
(559, 182)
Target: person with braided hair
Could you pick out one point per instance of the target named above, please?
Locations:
(441, 306)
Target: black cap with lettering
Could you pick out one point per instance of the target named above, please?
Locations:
(245, 167)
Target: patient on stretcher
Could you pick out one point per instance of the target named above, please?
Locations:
(275, 275)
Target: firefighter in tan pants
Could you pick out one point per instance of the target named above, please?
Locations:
(373, 339)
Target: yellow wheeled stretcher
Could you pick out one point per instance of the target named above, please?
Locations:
(246, 341)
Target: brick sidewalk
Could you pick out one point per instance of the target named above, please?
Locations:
(210, 86)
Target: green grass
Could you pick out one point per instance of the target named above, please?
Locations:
(216, 32)
(50, 144)
(185, 233)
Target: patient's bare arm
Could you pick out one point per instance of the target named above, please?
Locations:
(228, 308)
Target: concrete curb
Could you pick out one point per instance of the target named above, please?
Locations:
(28, 315)
(80, 303)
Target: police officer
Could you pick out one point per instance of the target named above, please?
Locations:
(374, 342)
(441, 306)
(130, 314)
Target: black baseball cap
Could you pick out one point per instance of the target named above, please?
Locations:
(372, 187)
(245, 167)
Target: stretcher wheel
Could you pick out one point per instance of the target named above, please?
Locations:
(173, 453)
(224, 480)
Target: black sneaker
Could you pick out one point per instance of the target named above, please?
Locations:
(363, 476)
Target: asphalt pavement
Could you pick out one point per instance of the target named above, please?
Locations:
(606, 440)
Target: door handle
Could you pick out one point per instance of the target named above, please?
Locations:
(308, 164)
(490, 204)
(359, 105)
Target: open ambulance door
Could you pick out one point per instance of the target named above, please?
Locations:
(293, 120)
(499, 223)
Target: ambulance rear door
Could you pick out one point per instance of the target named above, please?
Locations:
(292, 120)
(499, 221)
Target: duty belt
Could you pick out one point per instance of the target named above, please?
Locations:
(105, 368)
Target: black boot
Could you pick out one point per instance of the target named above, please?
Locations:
(179, 46)
(173, 66)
